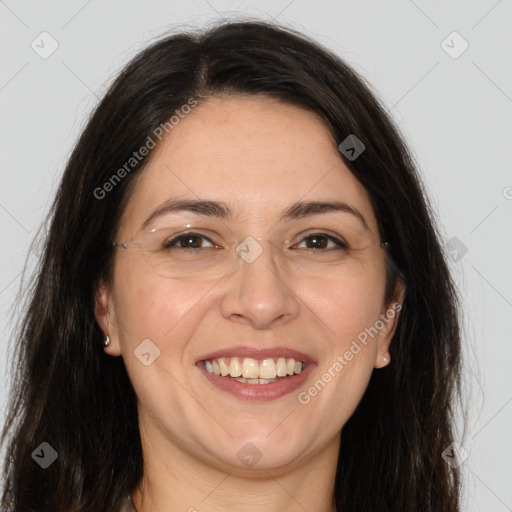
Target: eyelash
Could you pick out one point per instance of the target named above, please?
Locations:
(339, 242)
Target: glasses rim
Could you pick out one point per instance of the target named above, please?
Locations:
(132, 244)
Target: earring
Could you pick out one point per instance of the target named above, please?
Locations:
(107, 342)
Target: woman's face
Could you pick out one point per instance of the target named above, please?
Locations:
(277, 302)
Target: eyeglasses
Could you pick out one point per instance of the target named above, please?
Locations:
(203, 254)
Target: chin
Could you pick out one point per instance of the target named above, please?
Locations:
(254, 452)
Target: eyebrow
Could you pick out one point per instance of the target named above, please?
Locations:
(222, 211)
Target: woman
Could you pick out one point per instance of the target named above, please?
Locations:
(242, 223)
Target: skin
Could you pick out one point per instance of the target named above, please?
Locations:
(259, 156)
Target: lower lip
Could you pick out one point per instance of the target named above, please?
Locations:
(255, 392)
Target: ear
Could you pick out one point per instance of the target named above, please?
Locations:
(388, 322)
(104, 311)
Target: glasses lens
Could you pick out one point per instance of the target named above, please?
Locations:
(186, 255)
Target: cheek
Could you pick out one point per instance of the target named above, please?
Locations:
(155, 307)
(348, 351)
(146, 304)
(349, 307)
(164, 312)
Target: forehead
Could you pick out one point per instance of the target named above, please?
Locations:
(255, 154)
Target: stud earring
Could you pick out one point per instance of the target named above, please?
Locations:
(107, 341)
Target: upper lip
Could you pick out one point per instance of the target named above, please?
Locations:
(257, 353)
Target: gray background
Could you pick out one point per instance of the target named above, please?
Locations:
(455, 113)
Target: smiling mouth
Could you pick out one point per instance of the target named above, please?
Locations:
(253, 371)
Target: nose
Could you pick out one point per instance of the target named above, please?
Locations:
(259, 293)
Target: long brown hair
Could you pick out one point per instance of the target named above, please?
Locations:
(67, 392)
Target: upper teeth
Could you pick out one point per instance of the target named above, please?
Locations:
(253, 369)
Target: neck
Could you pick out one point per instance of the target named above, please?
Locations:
(176, 480)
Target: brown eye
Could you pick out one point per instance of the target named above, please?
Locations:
(187, 241)
(321, 241)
